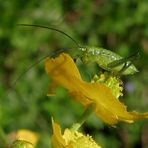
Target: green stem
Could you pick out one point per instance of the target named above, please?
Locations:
(85, 115)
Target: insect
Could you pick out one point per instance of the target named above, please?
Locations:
(109, 60)
(105, 59)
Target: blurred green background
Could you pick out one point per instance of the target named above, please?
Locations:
(117, 25)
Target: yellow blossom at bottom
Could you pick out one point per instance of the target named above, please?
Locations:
(27, 135)
(21, 144)
(71, 139)
(23, 137)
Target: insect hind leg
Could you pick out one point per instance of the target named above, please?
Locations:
(126, 62)
(124, 68)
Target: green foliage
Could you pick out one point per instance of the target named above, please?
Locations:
(118, 25)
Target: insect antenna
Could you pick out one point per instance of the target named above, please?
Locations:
(51, 28)
(13, 84)
(32, 65)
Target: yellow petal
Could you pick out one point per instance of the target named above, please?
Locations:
(57, 139)
(70, 139)
(64, 72)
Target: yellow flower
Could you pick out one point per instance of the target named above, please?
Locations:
(70, 139)
(24, 136)
(64, 72)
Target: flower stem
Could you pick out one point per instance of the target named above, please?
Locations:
(88, 111)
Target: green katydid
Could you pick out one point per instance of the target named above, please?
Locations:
(109, 61)
(106, 59)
